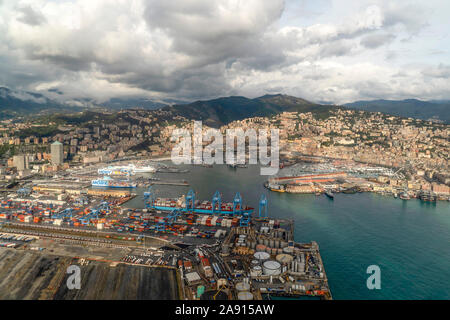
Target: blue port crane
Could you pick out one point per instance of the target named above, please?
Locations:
(237, 201)
(263, 206)
(190, 201)
(24, 192)
(104, 206)
(169, 220)
(216, 201)
(148, 198)
(66, 213)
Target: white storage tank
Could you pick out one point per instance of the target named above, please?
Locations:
(257, 270)
(288, 250)
(271, 268)
(245, 295)
(261, 255)
(242, 286)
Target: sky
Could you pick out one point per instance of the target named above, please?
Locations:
(333, 51)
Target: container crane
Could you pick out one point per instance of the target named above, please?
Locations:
(237, 204)
(263, 206)
(169, 220)
(63, 214)
(148, 198)
(216, 201)
(190, 201)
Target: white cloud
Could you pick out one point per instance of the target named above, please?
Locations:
(208, 48)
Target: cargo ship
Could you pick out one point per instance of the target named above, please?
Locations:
(108, 182)
(170, 204)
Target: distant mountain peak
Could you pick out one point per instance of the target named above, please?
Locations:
(408, 108)
(224, 110)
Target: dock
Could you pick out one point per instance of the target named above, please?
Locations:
(170, 183)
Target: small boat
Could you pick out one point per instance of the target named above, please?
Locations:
(404, 196)
(329, 194)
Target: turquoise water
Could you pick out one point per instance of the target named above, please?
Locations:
(408, 240)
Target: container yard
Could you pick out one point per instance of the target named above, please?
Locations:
(234, 253)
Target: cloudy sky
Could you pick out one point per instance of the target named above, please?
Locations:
(323, 50)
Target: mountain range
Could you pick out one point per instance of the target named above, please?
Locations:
(409, 108)
(219, 111)
(23, 103)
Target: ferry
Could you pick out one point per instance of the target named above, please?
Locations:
(108, 182)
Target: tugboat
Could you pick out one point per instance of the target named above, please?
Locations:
(329, 194)
(274, 187)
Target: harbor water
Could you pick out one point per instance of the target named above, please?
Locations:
(408, 239)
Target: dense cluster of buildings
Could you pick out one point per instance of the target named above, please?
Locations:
(418, 148)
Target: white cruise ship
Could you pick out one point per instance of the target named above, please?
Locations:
(130, 169)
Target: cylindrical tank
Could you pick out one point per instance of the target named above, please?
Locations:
(245, 295)
(260, 247)
(271, 268)
(257, 270)
(261, 255)
(274, 251)
(242, 286)
(260, 241)
(288, 250)
(269, 250)
(283, 244)
(271, 243)
(284, 258)
(266, 242)
(276, 243)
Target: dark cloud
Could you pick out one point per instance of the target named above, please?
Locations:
(377, 40)
(202, 49)
(30, 16)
